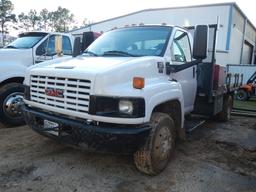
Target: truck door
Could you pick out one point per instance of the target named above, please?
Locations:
(46, 50)
(181, 54)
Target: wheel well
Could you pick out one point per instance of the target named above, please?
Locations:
(173, 109)
(12, 80)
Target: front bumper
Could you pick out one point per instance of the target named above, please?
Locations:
(103, 137)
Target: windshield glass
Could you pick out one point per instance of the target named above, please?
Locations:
(136, 41)
(25, 42)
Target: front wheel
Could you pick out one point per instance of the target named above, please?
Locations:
(11, 96)
(153, 157)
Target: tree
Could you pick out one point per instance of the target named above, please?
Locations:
(58, 20)
(87, 22)
(24, 21)
(6, 16)
(34, 19)
(44, 14)
(61, 19)
(31, 21)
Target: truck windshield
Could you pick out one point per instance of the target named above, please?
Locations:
(25, 42)
(129, 42)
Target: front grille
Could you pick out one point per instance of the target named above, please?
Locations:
(76, 93)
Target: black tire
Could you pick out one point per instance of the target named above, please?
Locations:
(225, 114)
(242, 95)
(6, 92)
(153, 157)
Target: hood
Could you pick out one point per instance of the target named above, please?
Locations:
(88, 64)
(83, 67)
(19, 55)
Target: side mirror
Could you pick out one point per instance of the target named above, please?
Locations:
(58, 45)
(77, 47)
(200, 45)
(88, 38)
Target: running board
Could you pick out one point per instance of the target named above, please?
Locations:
(192, 124)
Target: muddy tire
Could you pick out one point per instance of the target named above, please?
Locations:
(242, 95)
(225, 114)
(154, 155)
(11, 95)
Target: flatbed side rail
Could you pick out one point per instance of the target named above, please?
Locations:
(234, 81)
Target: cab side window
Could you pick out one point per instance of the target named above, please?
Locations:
(180, 49)
(47, 47)
(66, 46)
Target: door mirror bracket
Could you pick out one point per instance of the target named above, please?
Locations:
(176, 68)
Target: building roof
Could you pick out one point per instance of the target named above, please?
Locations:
(170, 8)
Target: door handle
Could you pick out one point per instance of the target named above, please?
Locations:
(194, 72)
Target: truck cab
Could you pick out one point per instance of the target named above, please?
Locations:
(128, 92)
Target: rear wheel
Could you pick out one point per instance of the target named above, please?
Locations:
(225, 114)
(11, 96)
(153, 157)
(242, 95)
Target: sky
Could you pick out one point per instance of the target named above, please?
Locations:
(94, 10)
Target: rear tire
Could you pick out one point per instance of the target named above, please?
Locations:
(225, 114)
(11, 95)
(154, 155)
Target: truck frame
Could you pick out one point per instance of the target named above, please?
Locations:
(134, 101)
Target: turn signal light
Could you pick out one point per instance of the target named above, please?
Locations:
(138, 82)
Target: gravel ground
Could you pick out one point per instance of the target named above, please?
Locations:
(216, 157)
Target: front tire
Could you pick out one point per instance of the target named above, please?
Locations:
(11, 96)
(154, 155)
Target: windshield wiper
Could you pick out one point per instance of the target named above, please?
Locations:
(11, 46)
(91, 53)
(118, 53)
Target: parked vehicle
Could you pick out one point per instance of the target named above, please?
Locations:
(130, 92)
(248, 90)
(28, 49)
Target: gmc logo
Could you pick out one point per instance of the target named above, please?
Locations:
(54, 92)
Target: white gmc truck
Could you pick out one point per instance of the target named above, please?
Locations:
(129, 92)
(28, 49)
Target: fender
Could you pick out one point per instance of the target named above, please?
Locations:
(12, 72)
(162, 94)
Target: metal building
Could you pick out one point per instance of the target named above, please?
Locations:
(236, 39)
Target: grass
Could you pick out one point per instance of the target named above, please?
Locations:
(250, 104)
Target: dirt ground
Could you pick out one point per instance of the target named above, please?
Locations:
(216, 157)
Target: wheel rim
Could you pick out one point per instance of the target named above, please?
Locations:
(240, 96)
(163, 144)
(11, 105)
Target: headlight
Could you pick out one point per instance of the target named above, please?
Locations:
(126, 107)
